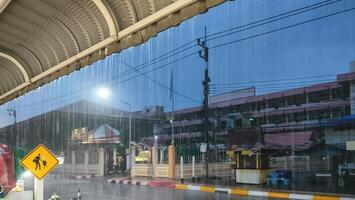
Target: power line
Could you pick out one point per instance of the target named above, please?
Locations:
(161, 84)
(283, 28)
(155, 60)
(244, 39)
(159, 67)
(274, 18)
(161, 58)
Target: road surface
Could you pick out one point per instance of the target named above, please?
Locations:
(99, 189)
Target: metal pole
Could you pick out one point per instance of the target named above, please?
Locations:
(130, 136)
(38, 189)
(193, 169)
(182, 168)
(130, 131)
(130, 125)
(205, 100)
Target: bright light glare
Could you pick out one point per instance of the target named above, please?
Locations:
(60, 159)
(103, 93)
(156, 137)
(27, 174)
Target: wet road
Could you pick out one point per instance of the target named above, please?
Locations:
(99, 189)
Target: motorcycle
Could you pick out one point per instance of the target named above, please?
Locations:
(56, 196)
(79, 195)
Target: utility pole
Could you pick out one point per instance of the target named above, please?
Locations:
(205, 83)
(12, 112)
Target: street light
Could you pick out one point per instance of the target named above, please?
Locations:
(104, 93)
(156, 140)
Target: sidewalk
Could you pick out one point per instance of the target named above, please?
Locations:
(25, 195)
(240, 190)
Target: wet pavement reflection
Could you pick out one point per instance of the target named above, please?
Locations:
(95, 189)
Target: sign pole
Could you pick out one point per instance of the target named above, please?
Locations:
(40, 161)
(38, 189)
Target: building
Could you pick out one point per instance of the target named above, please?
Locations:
(55, 128)
(293, 122)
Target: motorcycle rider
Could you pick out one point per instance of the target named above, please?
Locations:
(55, 196)
(79, 195)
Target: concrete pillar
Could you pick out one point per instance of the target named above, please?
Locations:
(132, 161)
(73, 161)
(161, 156)
(171, 162)
(193, 169)
(154, 160)
(86, 162)
(114, 156)
(101, 167)
(182, 169)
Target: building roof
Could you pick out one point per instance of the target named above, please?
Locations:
(92, 108)
(275, 95)
(103, 134)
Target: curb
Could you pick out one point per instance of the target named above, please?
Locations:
(128, 182)
(231, 191)
(245, 192)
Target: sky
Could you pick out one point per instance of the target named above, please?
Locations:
(272, 44)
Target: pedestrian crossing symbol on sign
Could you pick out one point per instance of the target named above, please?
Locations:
(40, 161)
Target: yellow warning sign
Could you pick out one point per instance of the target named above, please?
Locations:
(40, 161)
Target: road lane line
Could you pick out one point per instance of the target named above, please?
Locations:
(279, 195)
(241, 192)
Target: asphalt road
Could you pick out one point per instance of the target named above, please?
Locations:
(100, 189)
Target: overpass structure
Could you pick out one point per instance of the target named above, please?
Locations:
(41, 40)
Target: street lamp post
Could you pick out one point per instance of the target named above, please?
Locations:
(12, 112)
(130, 126)
(130, 132)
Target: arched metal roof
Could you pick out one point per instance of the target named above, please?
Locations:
(41, 40)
